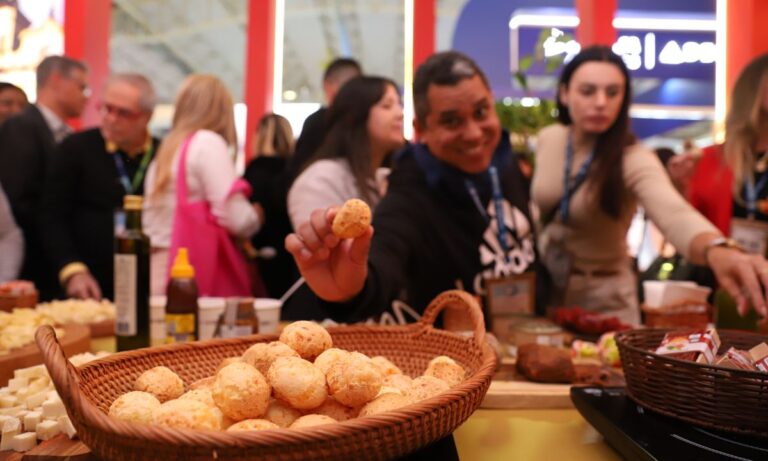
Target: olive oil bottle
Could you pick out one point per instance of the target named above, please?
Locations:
(132, 251)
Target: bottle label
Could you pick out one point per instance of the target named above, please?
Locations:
(236, 331)
(179, 328)
(125, 294)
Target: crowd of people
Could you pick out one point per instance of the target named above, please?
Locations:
(452, 209)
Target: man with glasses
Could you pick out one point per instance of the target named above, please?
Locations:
(27, 143)
(91, 172)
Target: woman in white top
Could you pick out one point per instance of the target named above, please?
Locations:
(204, 108)
(365, 124)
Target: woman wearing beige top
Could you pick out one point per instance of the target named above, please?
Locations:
(589, 181)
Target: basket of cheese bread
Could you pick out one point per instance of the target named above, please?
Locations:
(715, 379)
(346, 392)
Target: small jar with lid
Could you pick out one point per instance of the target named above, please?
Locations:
(238, 319)
(538, 331)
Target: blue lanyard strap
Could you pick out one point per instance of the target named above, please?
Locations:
(568, 188)
(751, 191)
(132, 186)
(501, 228)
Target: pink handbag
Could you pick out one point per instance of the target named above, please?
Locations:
(220, 268)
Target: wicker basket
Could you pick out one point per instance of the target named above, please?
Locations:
(88, 392)
(706, 395)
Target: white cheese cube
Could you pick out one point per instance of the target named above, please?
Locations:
(31, 420)
(24, 442)
(20, 414)
(31, 372)
(47, 430)
(22, 394)
(66, 426)
(14, 384)
(39, 384)
(52, 395)
(35, 401)
(11, 410)
(8, 401)
(11, 427)
(53, 408)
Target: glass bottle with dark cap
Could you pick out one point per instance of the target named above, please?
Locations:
(238, 319)
(132, 279)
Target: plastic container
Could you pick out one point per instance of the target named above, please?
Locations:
(268, 312)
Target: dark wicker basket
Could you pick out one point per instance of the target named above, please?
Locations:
(705, 395)
(88, 392)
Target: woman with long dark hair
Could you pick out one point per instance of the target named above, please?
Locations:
(365, 125)
(589, 179)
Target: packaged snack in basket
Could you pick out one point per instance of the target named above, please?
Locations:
(736, 358)
(759, 356)
(695, 345)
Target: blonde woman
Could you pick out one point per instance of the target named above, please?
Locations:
(204, 130)
(267, 174)
(739, 165)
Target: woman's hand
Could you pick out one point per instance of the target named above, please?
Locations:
(743, 276)
(334, 269)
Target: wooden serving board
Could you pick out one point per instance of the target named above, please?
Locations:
(513, 395)
(77, 339)
(102, 329)
(59, 448)
(511, 391)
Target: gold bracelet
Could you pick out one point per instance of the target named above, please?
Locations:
(721, 242)
(71, 269)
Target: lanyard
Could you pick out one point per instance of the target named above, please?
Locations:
(132, 186)
(501, 229)
(568, 189)
(751, 190)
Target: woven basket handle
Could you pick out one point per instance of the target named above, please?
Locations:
(464, 300)
(64, 375)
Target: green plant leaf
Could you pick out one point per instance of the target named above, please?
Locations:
(525, 63)
(522, 80)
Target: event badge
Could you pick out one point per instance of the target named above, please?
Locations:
(509, 301)
(514, 294)
(751, 235)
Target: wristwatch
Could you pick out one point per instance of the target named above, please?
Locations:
(722, 242)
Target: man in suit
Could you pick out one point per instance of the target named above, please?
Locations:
(338, 72)
(89, 176)
(27, 142)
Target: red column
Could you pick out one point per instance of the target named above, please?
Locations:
(86, 38)
(746, 36)
(423, 30)
(596, 22)
(259, 65)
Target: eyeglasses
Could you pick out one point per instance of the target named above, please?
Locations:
(119, 112)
